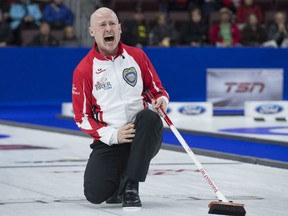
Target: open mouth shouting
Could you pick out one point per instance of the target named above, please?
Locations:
(109, 39)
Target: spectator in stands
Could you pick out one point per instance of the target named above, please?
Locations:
(69, 37)
(5, 31)
(58, 15)
(245, 9)
(253, 34)
(135, 31)
(23, 15)
(163, 33)
(225, 33)
(195, 31)
(278, 31)
(44, 38)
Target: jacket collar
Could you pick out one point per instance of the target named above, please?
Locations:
(102, 57)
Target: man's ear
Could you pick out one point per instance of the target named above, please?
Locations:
(120, 28)
(91, 32)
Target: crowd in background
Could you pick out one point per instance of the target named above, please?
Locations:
(221, 23)
(42, 16)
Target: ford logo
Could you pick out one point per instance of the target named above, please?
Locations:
(268, 109)
(192, 110)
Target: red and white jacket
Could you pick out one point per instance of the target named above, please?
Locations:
(108, 92)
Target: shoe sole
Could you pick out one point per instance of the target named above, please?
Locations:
(132, 208)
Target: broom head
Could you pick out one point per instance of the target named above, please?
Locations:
(226, 208)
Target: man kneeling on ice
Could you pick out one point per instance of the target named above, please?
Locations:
(110, 105)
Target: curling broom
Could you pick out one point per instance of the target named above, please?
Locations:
(221, 207)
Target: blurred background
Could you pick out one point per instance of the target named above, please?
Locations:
(222, 51)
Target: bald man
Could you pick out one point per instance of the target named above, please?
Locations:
(110, 105)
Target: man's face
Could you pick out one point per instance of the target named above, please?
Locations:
(225, 17)
(162, 19)
(106, 30)
(252, 19)
(69, 32)
(280, 18)
(45, 29)
(196, 16)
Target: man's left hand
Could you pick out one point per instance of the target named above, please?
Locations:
(159, 102)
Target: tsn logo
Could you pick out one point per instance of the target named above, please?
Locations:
(244, 87)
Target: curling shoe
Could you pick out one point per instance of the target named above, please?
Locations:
(131, 200)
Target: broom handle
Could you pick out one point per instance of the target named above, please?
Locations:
(184, 144)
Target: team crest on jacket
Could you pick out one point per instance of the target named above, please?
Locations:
(130, 76)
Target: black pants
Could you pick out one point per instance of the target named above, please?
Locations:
(107, 164)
